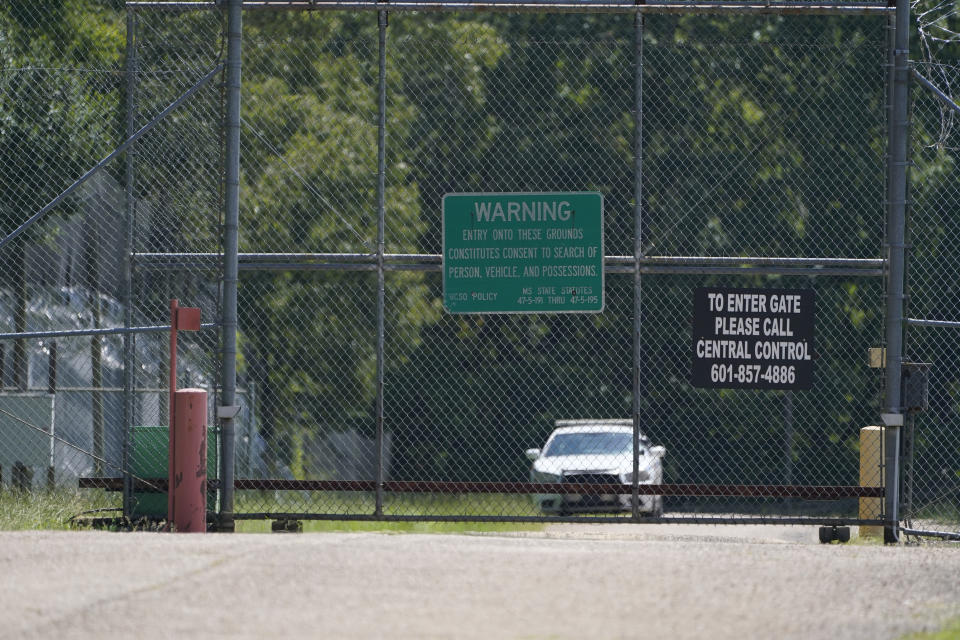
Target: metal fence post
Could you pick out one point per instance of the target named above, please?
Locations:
(52, 390)
(381, 224)
(896, 231)
(92, 277)
(128, 266)
(52, 368)
(230, 264)
(638, 21)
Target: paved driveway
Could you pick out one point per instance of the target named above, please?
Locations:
(571, 581)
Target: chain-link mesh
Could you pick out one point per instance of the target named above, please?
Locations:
(931, 438)
(765, 139)
(78, 79)
(762, 137)
(62, 84)
(178, 201)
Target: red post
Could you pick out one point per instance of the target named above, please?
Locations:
(188, 490)
(186, 319)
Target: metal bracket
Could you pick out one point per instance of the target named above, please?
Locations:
(892, 419)
(228, 412)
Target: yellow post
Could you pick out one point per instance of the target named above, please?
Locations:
(871, 475)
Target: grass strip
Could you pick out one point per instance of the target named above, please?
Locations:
(53, 510)
(345, 526)
(951, 631)
(26, 510)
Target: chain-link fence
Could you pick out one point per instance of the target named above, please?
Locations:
(747, 152)
(81, 85)
(61, 84)
(932, 451)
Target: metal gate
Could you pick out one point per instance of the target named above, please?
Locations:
(931, 489)
(741, 149)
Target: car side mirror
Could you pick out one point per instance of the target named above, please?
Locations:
(658, 451)
(533, 454)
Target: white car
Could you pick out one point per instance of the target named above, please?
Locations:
(595, 452)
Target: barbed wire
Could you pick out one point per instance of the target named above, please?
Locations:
(935, 32)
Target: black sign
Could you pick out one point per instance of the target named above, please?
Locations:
(753, 338)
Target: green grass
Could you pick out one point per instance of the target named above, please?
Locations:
(938, 512)
(20, 510)
(950, 631)
(349, 504)
(400, 504)
(344, 526)
(56, 510)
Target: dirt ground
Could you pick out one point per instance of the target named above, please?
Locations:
(570, 581)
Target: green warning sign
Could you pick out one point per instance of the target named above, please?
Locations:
(523, 252)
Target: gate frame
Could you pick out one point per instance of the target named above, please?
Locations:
(891, 267)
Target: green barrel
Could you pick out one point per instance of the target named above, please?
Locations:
(148, 459)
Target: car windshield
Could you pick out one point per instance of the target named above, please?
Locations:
(585, 444)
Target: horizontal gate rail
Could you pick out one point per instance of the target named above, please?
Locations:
(805, 492)
(943, 535)
(794, 8)
(76, 333)
(680, 519)
(693, 265)
(149, 259)
(936, 324)
(762, 271)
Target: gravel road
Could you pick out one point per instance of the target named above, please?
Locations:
(571, 581)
